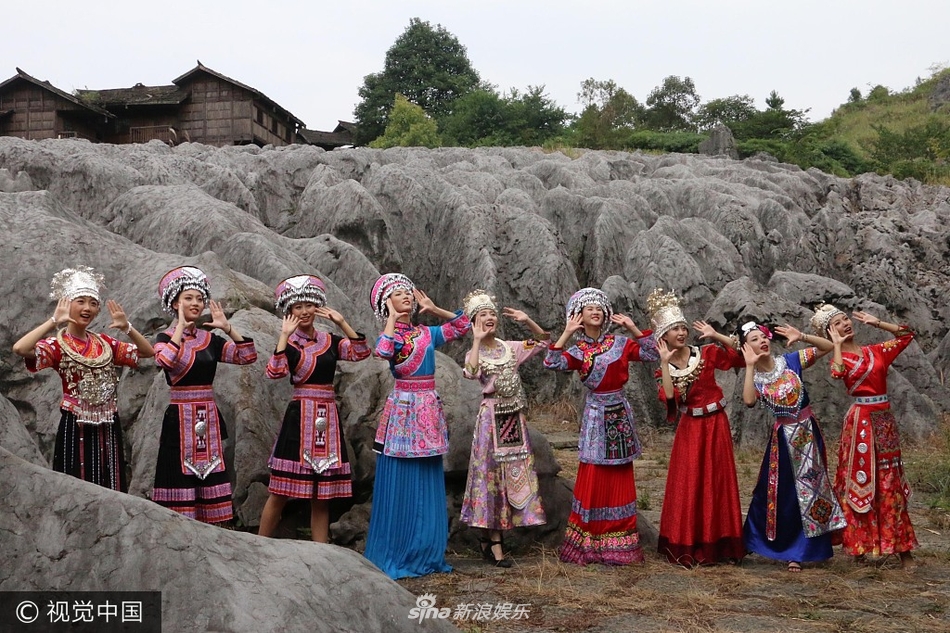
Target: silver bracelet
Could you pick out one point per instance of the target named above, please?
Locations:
(128, 330)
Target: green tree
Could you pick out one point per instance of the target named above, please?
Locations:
(670, 105)
(478, 118)
(409, 126)
(483, 117)
(774, 102)
(775, 122)
(724, 111)
(532, 117)
(426, 64)
(610, 114)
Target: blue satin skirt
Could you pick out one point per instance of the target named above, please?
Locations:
(409, 523)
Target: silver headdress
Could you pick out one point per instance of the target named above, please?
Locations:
(80, 281)
(820, 321)
(665, 312)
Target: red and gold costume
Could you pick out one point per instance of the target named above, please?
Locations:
(870, 481)
(89, 438)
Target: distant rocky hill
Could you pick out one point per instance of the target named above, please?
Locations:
(736, 239)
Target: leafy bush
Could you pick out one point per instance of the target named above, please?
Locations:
(409, 126)
(680, 142)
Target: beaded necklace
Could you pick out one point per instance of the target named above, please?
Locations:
(779, 388)
(683, 378)
(500, 361)
(92, 380)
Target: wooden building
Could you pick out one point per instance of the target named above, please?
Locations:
(142, 113)
(202, 106)
(341, 136)
(34, 109)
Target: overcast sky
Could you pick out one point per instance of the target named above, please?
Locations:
(311, 57)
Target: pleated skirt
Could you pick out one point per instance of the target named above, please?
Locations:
(701, 520)
(602, 527)
(409, 523)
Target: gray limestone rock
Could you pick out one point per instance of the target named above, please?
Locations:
(85, 538)
(721, 142)
(732, 238)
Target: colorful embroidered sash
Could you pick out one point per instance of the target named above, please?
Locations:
(200, 431)
(819, 509)
(608, 430)
(319, 427)
(412, 423)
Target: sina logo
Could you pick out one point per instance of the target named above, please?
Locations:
(425, 608)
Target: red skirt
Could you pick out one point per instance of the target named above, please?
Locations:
(701, 522)
(602, 527)
(885, 528)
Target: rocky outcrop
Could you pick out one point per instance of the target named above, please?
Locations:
(62, 534)
(721, 142)
(734, 238)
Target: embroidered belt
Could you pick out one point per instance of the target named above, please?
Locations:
(871, 399)
(314, 392)
(709, 409)
(605, 397)
(415, 384)
(184, 395)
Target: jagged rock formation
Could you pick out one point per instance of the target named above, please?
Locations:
(735, 239)
(85, 538)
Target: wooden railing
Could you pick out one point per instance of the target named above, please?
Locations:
(146, 133)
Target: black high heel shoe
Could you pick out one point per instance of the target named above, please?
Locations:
(489, 555)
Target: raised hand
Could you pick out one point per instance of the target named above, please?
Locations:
(791, 334)
(837, 339)
(331, 315)
(182, 319)
(865, 318)
(61, 313)
(575, 323)
(751, 355)
(218, 319)
(479, 331)
(425, 303)
(289, 324)
(704, 329)
(665, 352)
(119, 320)
(624, 321)
(515, 315)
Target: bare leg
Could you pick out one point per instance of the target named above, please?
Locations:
(320, 520)
(270, 516)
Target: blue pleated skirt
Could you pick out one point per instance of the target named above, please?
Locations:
(790, 542)
(409, 524)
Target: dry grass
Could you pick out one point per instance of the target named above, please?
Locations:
(757, 596)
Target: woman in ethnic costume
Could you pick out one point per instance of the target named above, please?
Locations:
(309, 460)
(870, 481)
(89, 437)
(408, 527)
(502, 487)
(793, 509)
(700, 522)
(191, 476)
(602, 527)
